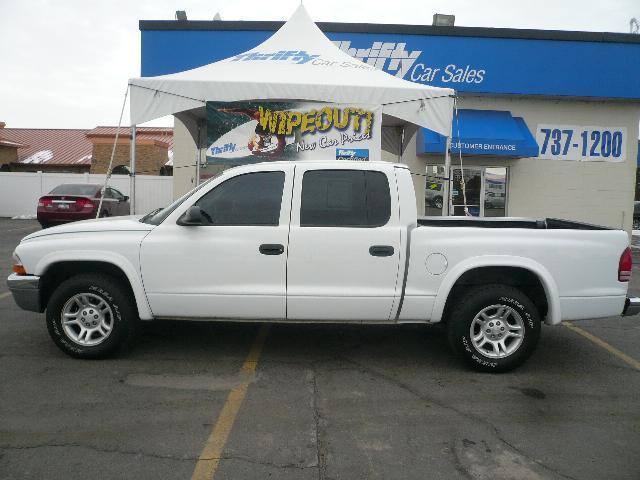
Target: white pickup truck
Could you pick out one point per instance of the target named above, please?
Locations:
(329, 241)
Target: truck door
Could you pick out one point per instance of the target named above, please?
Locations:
(234, 266)
(344, 244)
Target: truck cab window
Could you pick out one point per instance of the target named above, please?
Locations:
(249, 199)
(345, 198)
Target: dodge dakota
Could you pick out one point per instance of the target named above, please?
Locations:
(321, 241)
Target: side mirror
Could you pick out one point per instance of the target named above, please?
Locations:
(192, 217)
(125, 198)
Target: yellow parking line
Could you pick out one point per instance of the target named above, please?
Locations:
(5, 295)
(212, 452)
(601, 343)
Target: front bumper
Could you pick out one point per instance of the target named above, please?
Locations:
(26, 291)
(631, 306)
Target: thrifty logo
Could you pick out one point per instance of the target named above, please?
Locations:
(227, 147)
(357, 154)
(295, 56)
(389, 56)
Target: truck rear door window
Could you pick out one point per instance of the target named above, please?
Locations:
(345, 198)
(249, 199)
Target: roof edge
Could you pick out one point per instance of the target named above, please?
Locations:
(8, 129)
(335, 27)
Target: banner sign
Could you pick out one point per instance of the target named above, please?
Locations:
(250, 132)
(580, 143)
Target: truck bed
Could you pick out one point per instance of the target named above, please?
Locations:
(508, 222)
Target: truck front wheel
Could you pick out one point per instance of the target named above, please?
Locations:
(495, 328)
(91, 316)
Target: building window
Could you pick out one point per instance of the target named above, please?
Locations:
(434, 190)
(120, 170)
(485, 191)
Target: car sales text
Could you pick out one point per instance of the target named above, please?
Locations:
(450, 74)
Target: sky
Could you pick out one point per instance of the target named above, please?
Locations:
(65, 63)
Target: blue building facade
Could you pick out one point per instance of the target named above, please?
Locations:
(536, 108)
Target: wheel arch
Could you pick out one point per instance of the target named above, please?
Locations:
(514, 271)
(55, 268)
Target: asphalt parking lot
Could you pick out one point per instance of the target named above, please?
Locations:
(314, 402)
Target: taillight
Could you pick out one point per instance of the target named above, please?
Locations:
(625, 266)
(45, 202)
(85, 203)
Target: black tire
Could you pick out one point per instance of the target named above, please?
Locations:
(44, 225)
(474, 301)
(122, 315)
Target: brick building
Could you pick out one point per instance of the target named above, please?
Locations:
(83, 150)
(153, 150)
(8, 151)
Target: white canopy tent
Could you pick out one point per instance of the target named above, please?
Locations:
(298, 62)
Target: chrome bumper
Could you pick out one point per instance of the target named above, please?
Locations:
(631, 306)
(26, 291)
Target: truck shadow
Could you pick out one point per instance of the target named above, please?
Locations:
(397, 346)
(303, 344)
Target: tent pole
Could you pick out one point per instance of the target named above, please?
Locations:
(132, 172)
(198, 157)
(446, 186)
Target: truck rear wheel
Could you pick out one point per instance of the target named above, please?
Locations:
(91, 316)
(495, 328)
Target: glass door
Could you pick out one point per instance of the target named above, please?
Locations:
(474, 187)
(495, 192)
(486, 189)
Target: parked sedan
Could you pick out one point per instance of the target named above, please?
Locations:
(494, 200)
(79, 201)
(433, 194)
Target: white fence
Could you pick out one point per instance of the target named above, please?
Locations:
(19, 191)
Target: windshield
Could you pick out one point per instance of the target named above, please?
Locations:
(157, 216)
(75, 189)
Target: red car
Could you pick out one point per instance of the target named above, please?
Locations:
(79, 201)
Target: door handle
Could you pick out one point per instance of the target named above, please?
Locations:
(381, 250)
(271, 249)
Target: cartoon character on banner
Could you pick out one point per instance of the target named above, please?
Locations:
(262, 142)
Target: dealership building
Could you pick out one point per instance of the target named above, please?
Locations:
(546, 122)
